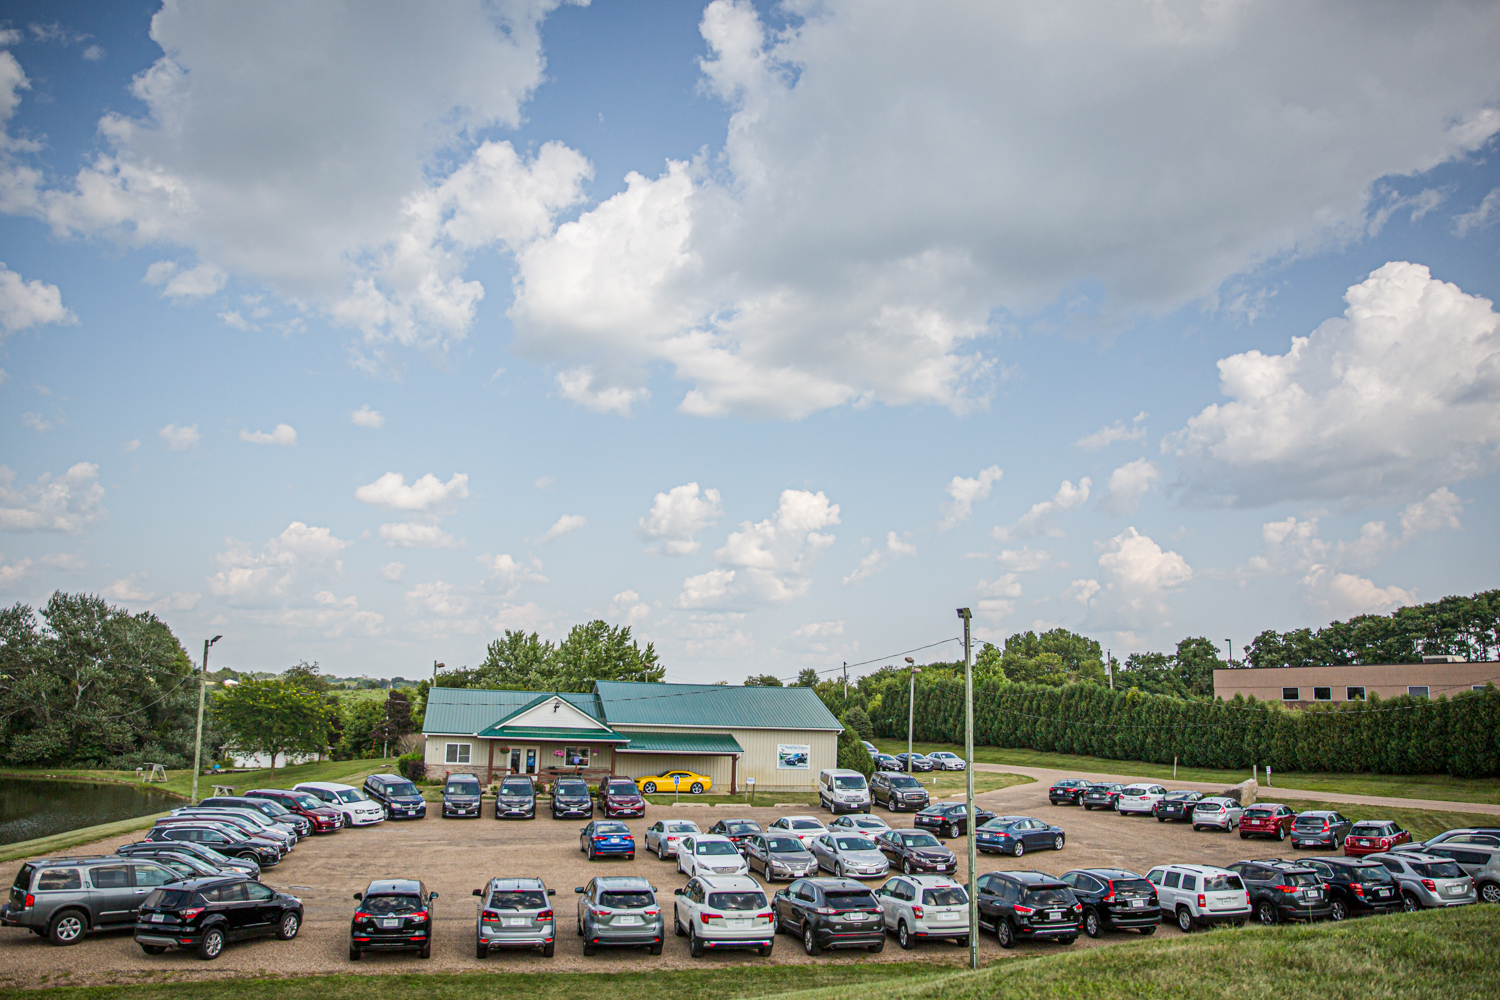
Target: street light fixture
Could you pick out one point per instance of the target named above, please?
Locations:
(202, 692)
(911, 708)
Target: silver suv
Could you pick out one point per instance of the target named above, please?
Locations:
(1479, 861)
(64, 898)
(1427, 880)
(515, 913)
(619, 910)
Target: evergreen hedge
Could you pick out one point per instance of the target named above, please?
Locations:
(1458, 736)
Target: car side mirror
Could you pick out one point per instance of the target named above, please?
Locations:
(479, 892)
(552, 892)
(433, 896)
(579, 890)
(677, 892)
(360, 895)
(655, 889)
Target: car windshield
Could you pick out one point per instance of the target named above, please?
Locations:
(854, 844)
(611, 828)
(904, 781)
(169, 899)
(1222, 883)
(518, 899)
(1369, 874)
(391, 905)
(715, 847)
(805, 824)
(572, 788)
(1048, 897)
(516, 786)
(402, 788)
(744, 826)
(1437, 869)
(682, 827)
(950, 896)
(921, 840)
(737, 900)
(305, 800)
(632, 900)
(621, 788)
(462, 788)
(784, 845)
(355, 795)
(848, 781)
(849, 900)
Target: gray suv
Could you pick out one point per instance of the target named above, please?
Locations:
(619, 910)
(1427, 880)
(62, 899)
(1479, 861)
(515, 913)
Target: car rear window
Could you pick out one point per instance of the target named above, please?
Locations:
(23, 877)
(390, 905)
(1056, 896)
(611, 827)
(1208, 807)
(1437, 869)
(1298, 878)
(805, 824)
(620, 900)
(1222, 883)
(518, 899)
(1257, 813)
(683, 827)
(739, 900)
(784, 845)
(1369, 829)
(169, 899)
(1133, 885)
(849, 900)
(1135, 790)
(1368, 874)
(953, 896)
(742, 827)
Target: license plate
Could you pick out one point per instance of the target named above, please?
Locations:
(157, 918)
(516, 921)
(1054, 914)
(627, 921)
(615, 840)
(1364, 843)
(1454, 890)
(390, 923)
(1137, 904)
(739, 923)
(1383, 892)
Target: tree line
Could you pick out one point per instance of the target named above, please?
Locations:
(1456, 626)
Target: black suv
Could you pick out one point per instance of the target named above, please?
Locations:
(571, 797)
(830, 913)
(1021, 906)
(1114, 899)
(1102, 796)
(1356, 887)
(898, 791)
(461, 796)
(1068, 791)
(208, 913)
(1178, 806)
(219, 838)
(516, 798)
(951, 819)
(397, 796)
(1283, 890)
(201, 852)
(395, 914)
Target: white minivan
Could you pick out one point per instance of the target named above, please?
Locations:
(351, 803)
(843, 790)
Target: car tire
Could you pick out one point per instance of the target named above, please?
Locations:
(1161, 819)
(1338, 910)
(1410, 903)
(810, 942)
(1196, 827)
(876, 949)
(67, 927)
(867, 809)
(153, 949)
(1489, 892)
(961, 942)
(548, 950)
(1020, 849)
(648, 788)
(589, 949)
(212, 945)
(1281, 833)
(1065, 941)
(904, 937)
(354, 954)
(1244, 835)
(677, 924)
(425, 951)
(481, 951)
(1005, 933)
(1265, 912)
(764, 951)
(695, 946)
(697, 788)
(630, 856)
(1185, 921)
(290, 924)
(948, 831)
(661, 852)
(1091, 922)
(906, 866)
(1147, 931)
(1057, 842)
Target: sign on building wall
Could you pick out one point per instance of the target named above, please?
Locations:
(792, 756)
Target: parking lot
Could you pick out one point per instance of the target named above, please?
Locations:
(454, 857)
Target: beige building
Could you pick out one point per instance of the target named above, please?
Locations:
(1301, 686)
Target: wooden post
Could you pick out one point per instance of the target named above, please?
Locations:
(734, 763)
(489, 771)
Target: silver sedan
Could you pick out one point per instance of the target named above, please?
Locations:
(850, 855)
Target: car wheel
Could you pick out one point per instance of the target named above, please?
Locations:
(1185, 921)
(906, 866)
(765, 951)
(838, 869)
(549, 949)
(904, 938)
(1020, 849)
(948, 831)
(962, 942)
(677, 924)
(1005, 933)
(695, 946)
(877, 948)
(1337, 910)
(1244, 835)
(481, 951)
(1057, 842)
(649, 787)
(354, 953)
(1091, 922)
(1067, 940)
(425, 951)
(1147, 931)
(1489, 892)
(630, 856)
(1196, 828)
(212, 944)
(291, 923)
(66, 928)
(580, 928)
(152, 949)
(1410, 903)
(810, 941)
(589, 948)
(1281, 833)
(697, 788)
(1266, 914)
(1161, 819)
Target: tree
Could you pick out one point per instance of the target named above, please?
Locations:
(395, 722)
(273, 717)
(517, 662)
(852, 754)
(762, 680)
(359, 722)
(858, 720)
(306, 676)
(808, 678)
(602, 652)
(1197, 659)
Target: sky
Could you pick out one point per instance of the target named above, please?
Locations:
(362, 333)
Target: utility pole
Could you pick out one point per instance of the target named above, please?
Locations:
(1109, 667)
(969, 792)
(202, 694)
(1230, 644)
(846, 685)
(911, 708)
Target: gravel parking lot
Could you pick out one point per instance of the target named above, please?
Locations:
(455, 857)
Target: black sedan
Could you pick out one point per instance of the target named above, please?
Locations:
(1068, 791)
(1178, 806)
(1102, 796)
(885, 762)
(1114, 899)
(205, 914)
(950, 819)
(917, 851)
(918, 762)
(395, 914)
(1017, 835)
(737, 830)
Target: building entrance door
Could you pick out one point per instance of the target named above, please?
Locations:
(531, 760)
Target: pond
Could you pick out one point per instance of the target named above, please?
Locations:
(41, 807)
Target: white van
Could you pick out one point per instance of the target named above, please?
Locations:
(843, 790)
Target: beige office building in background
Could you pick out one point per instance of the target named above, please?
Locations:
(1301, 686)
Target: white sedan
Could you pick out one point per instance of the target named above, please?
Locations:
(805, 828)
(1140, 798)
(946, 761)
(709, 854)
(664, 835)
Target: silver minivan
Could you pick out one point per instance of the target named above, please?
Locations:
(62, 899)
(843, 790)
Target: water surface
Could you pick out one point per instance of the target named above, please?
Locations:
(41, 807)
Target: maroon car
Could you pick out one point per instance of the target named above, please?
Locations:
(1267, 819)
(323, 818)
(1371, 836)
(620, 797)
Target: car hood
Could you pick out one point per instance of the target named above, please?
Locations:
(793, 858)
(863, 857)
(934, 854)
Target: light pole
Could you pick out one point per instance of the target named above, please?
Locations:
(198, 743)
(911, 708)
(969, 792)
(1230, 643)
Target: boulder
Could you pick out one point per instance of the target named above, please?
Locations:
(1243, 793)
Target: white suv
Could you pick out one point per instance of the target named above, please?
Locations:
(925, 906)
(716, 912)
(350, 802)
(1200, 895)
(1140, 798)
(709, 854)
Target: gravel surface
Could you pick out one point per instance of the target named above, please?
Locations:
(454, 857)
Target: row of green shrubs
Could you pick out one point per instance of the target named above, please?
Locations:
(1458, 736)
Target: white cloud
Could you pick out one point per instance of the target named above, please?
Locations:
(677, 516)
(1438, 511)
(426, 494)
(964, 492)
(510, 573)
(1294, 544)
(133, 444)
(14, 573)
(284, 435)
(439, 598)
(1117, 431)
(93, 53)
(68, 503)
(328, 612)
(1139, 573)
(628, 607)
(544, 482)
(25, 303)
(193, 283)
(179, 438)
(1486, 212)
(36, 421)
(998, 597)
(770, 558)
(1128, 484)
(1083, 591)
(854, 256)
(393, 571)
(1034, 521)
(1344, 595)
(564, 525)
(276, 573)
(878, 557)
(819, 630)
(584, 387)
(10, 36)
(1399, 396)
(528, 617)
(408, 535)
(366, 417)
(129, 589)
(1024, 559)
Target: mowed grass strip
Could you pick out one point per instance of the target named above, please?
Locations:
(349, 772)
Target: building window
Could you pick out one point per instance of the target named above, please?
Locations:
(1322, 694)
(1478, 687)
(456, 753)
(576, 756)
(1354, 694)
(1288, 694)
(1417, 690)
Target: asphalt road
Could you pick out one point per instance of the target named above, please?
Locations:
(455, 857)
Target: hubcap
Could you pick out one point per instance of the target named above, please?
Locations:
(1267, 914)
(1184, 920)
(1490, 893)
(289, 925)
(1057, 842)
(1020, 848)
(1338, 911)
(1091, 924)
(214, 943)
(69, 928)
(807, 940)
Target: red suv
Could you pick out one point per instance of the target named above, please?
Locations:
(323, 818)
(1267, 819)
(621, 798)
(1371, 836)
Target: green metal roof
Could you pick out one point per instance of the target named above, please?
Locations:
(682, 743)
(712, 706)
(520, 733)
(466, 711)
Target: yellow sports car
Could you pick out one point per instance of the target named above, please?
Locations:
(685, 781)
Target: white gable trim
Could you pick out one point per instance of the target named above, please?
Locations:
(556, 713)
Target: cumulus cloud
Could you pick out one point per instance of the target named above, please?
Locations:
(1438, 511)
(766, 563)
(1138, 574)
(440, 598)
(1344, 595)
(591, 391)
(391, 492)
(393, 571)
(964, 492)
(1127, 485)
(564, 525)
(998, 597)
(25, 303)
(628, 607)
(278, 570)
(823, 259)
(879, 558)
(366, 417)
(185, 283)
(410, 535)
(36, 421)
(1035, 520)
(677, 516)
(179, 438)
(284, 435)
(819, 630)
(510, 573)
(1117, 431)
(1294, 545)
(15, 572)
(1397, 397)
(327, 612)
(68, 503)
(1023, 560)
(129, 589)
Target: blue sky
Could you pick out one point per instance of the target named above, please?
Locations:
(776, 332)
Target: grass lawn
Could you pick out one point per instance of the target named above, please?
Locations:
(1405, 786)
(940, 784)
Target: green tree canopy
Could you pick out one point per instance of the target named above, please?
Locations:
(273, 717)
(807, 678)
(594, 651)
(762, 680)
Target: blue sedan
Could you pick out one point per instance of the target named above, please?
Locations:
(1017, 835)
(606, 836)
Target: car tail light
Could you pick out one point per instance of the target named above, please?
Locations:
(706, 916)
(916, 911)
(1287, 888)
(190, 914)
(1078, 907)
(491, 915)
(597, 838)
(1430, 884)
(362, 915)
(1326, 827)
(1203, 904)
(769, 915)
(30, 901)
(1385, 841)
(649, 913)
(1025, 910)
(544, 915)
(419, 915)
(1357, 889)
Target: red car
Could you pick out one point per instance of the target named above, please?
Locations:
(1371, 836)
(1267, 819)
(621, 798)
(323, 818)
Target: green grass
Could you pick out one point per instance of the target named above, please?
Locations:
(350, 772)
(1404, 786)
(60, 842)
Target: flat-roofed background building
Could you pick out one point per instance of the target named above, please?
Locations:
(1434, 676)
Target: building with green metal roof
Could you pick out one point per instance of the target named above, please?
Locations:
(778, 737)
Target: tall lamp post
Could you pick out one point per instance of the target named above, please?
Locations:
(969, 792)
(198, 743)
(911, 708)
